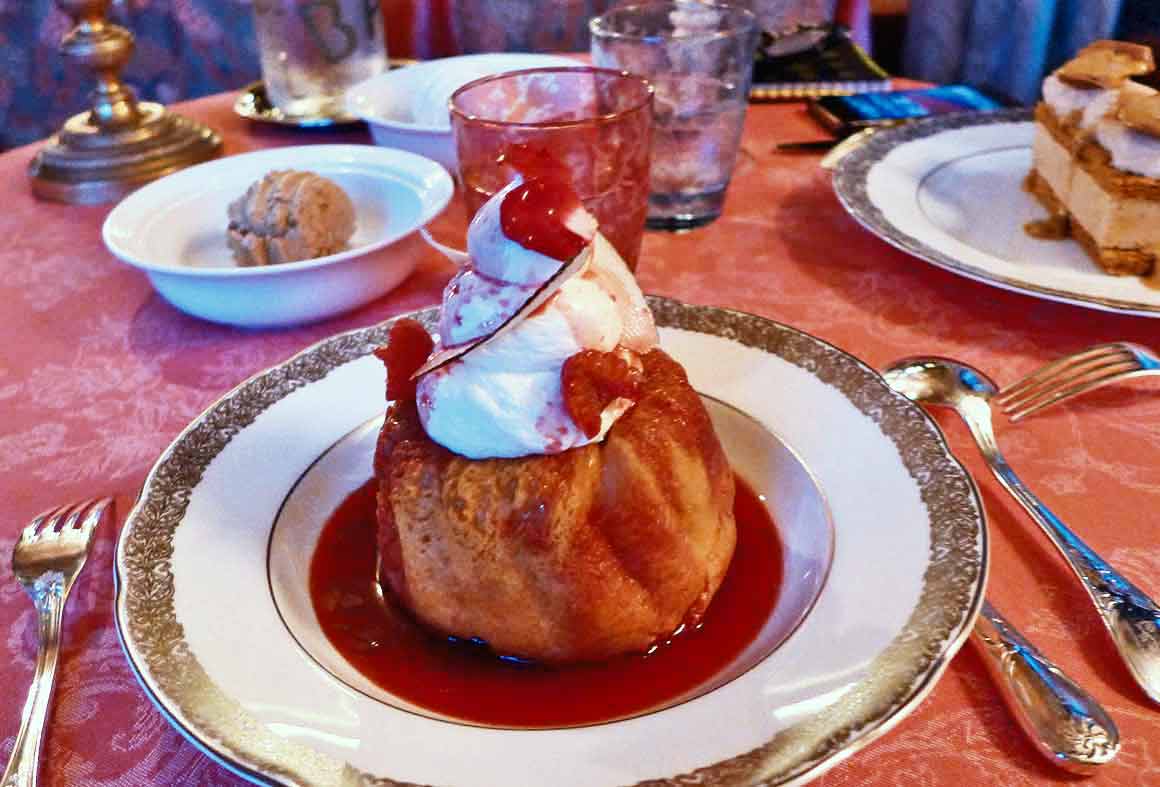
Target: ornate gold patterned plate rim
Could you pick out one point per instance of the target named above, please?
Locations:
(948, 588)
(851, 183)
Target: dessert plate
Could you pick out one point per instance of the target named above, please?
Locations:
(796, 502)
(949, 191)
(206, 581)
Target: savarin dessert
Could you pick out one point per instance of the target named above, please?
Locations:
(548, 480)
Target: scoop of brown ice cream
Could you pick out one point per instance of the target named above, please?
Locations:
(287, 216)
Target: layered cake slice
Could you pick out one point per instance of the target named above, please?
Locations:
(1090, 158)
(1115, 189)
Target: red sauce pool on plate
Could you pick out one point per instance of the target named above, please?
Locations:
(466, 681)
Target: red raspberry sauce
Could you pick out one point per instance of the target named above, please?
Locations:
(467, 681)
(408, 345)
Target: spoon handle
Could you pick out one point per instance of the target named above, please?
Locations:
(1131, 617)
(1063, 721)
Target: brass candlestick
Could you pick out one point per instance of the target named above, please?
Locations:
(121, 143)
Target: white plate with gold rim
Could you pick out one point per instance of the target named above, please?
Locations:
(949, 190)
(209, 592)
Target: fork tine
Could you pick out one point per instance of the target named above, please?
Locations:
(52, 515)
(74, 516)
(1050, 371)
(97, 508)
(1114, 373)
(59, 520)
(1067, 377)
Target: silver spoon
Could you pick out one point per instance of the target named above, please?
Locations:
(1131, 617)
(1064, 723)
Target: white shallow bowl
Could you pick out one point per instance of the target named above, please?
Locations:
(790, 493)
(884, 551)
(407, 108)
(175, 231)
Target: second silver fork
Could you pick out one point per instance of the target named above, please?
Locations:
(1130, 616)
(47, 559)
(1075, 374)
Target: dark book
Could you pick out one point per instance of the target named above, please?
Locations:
(813, 62)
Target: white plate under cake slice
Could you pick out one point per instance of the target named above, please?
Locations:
(949, 190)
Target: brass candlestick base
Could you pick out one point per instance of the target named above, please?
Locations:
(84, 164)
(103, 154)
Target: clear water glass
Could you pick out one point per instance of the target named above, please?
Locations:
(313, 50)
(699, 59)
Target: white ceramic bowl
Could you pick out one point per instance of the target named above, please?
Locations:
(174, 230)
(406, 108)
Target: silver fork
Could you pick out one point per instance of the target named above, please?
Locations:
(47, 558)
(1076, 374)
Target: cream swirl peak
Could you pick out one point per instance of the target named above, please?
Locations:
(1130, 150)
(501, 275)
(505, 396)
(1065, 99)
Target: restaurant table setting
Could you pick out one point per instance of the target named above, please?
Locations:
(191, 402)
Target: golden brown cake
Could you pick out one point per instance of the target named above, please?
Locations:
(580, 555)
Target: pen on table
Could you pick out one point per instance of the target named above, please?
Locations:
(837, 147)
(805, 145)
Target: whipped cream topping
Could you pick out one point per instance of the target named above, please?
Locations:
(1107, 102)
(1065, 99)
(504, 398)
(1131, 150)
(1101, 106)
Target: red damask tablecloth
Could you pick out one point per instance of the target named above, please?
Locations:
(98, 374)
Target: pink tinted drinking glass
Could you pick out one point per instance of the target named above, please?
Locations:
(596, 122)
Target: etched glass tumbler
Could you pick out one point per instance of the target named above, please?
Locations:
(699, 59)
